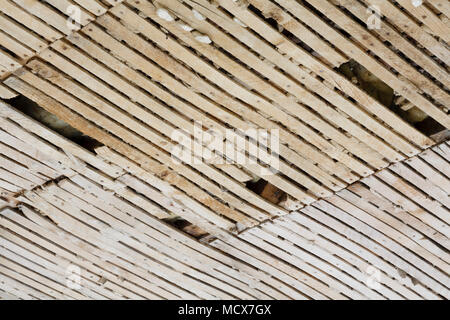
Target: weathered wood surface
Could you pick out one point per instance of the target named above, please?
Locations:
(105, 211)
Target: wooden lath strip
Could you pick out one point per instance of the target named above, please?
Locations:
(431, 174)
(39, 171)
(436, 161)
(3, 203)
(6, 93)
(434, 184)
(65, 6)
(16, 179)
(93, 6)
(143, 145)
(19, 170)
(9, 186)
(334, 215)
(8, 62)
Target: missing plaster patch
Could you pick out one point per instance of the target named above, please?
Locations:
(51, 121)
(266, 190)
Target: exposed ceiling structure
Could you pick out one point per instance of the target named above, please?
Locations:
(344, 101)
